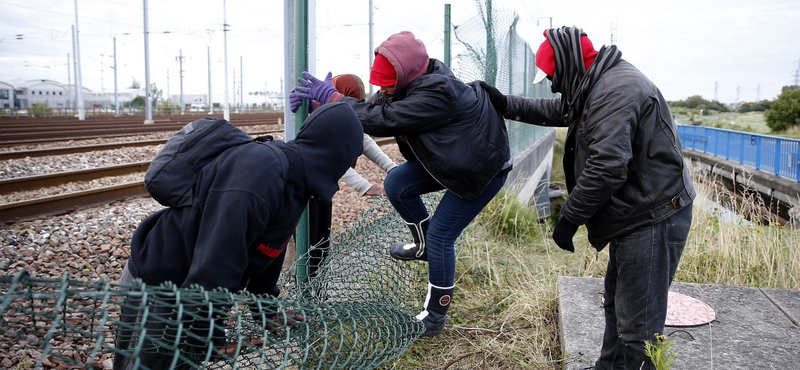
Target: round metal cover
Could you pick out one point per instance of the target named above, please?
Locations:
(686, 311)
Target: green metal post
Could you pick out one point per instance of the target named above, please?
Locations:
(447, 28)
(301, 64)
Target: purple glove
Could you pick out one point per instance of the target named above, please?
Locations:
(314, 89)
(295, 101)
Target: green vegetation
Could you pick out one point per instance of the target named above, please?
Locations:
(784, 113)
(660, 352)
(504, 313)
(699, 105)
(40, 110)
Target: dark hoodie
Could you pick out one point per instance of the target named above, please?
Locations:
(449, 126)
(235, 233)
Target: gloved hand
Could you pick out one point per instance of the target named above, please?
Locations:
(295, 101)
(563, 234)
(314, 89)
(498, 99)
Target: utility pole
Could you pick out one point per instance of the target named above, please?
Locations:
(69, 83)
(716, 88)
(613, 36)
(210, 104)
(79, 86)
(371, 49)
(148, 105)
(797, 75)
(116, 91)
(226, 108)
(180, 75)
(550, 18)
(74, 73)
(210, 101)
(241, 83)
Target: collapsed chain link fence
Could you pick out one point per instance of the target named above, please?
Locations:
(357, 310)
(357, 313)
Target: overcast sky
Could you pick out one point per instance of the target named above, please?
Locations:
(728, 50)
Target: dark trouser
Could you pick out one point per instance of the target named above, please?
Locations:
(152, 355)
(128, 335)
(319, 233)
(640, 270)
(404, 186)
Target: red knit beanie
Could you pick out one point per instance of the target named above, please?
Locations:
(546, 58)
(383, 73)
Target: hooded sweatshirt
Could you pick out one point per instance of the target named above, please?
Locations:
(450, 127)
(235, 233)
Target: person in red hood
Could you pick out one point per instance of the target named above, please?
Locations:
(626, 178)
(453, 140)
(320, 213)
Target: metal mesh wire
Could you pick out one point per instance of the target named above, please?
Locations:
(358, 308)
(358, 313)
(506, 62)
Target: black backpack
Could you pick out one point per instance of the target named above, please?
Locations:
(171, 176)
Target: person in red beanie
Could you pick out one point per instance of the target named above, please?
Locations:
(320, 213)
(453, 140)
(626, 179)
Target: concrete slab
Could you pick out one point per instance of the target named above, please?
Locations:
(754, 328)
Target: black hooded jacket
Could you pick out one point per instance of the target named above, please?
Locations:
(235, 233)
(623, 159)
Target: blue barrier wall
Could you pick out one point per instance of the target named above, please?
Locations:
(776, 155)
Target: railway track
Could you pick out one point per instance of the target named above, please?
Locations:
(19, 135)
(63, 203)
(88, 148)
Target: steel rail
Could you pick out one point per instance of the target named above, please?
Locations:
(4, 155)
(72, 133)
(28, 183)
(59, 204)
(50, 138)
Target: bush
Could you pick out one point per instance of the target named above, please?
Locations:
(755, 107)
(784, 111)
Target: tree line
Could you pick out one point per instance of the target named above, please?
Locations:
(780, 114)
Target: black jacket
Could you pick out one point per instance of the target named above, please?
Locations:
(623, 158)
(235, 233)
(449, 126)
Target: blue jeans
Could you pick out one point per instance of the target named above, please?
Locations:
(640, 270)
(405, 184)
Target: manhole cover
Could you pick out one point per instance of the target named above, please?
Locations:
(686, 311)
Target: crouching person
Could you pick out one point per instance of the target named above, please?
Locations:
(245, 206)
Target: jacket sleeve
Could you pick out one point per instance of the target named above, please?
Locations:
(376, 155)
(356, 181)
(536, 111)
(608, 128)
(424, 109)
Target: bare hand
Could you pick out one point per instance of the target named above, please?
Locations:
(375, 190)
(274, 324)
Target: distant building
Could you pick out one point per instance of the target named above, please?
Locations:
(42, 92)
(53, 94)
(6, 95)
(190, 101)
